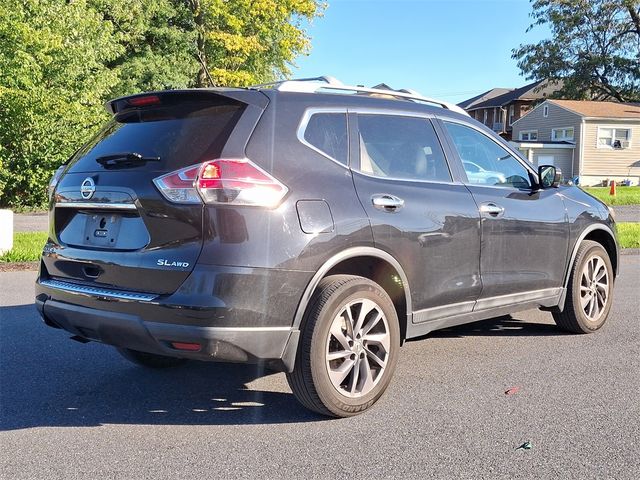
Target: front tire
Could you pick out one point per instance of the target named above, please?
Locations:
(150, 360)
(350, 340)
(589, 292)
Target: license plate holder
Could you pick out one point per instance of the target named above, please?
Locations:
(102, 229)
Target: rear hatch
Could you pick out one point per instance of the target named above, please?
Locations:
(110, 225)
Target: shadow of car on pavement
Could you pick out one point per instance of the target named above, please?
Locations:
(47, 380)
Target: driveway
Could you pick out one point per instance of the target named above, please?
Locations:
(30, 222)
(80, 411)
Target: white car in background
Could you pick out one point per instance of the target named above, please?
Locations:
(477, 174)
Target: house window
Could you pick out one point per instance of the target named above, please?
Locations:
(528, 135)
(512, 113)
(545, 111)
(561, 134)
(609, 137)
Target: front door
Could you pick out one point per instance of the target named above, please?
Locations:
(524, 232)
(418, 213)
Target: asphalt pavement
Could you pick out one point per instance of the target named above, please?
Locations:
(80, 411)
(31, 222)
(627, 213)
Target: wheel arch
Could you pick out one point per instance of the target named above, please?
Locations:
(369, 262)
(608, 242)
(601, 234)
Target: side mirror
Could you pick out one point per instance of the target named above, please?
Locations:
(549, 176)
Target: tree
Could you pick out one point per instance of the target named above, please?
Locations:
(594, 52)
(53, 81)
(158, 44)
(60, 60)
(168, 43)
(250, 41)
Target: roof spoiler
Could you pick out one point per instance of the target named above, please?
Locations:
(167, 97)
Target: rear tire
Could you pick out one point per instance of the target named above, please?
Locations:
(589, 291)
(150, 360)
(349, 345)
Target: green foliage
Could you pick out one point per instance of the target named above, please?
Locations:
(53, 81)
(2, 181)
(158, 44)
(27, 247)
(61, 60)
(594, 49)
(250, 41)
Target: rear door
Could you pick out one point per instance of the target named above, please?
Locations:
(111, 226)
(418, 213)
(524, 232)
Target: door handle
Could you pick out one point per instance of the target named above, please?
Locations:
(492, 209)
(386, 202)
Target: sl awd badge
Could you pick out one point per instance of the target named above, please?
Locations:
(87, 188)
(168, 263)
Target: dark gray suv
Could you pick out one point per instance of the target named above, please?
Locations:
(311, 227)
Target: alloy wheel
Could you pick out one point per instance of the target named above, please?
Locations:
(358, 347)
(594, 288)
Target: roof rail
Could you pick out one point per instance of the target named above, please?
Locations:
(326, 83)
(324, 78)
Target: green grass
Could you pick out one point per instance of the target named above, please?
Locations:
(629, 234)
(624, 195)
(27, 247)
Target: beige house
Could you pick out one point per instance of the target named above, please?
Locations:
(596, 141)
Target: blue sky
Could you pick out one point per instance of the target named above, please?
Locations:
(451, 49)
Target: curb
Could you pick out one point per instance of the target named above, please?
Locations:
(18, 266)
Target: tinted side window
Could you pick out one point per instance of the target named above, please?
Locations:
(485, 161)
(401, 147)
(328, 133)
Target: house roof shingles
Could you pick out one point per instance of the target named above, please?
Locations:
(587, 108)
(483, 97)
(532, 91)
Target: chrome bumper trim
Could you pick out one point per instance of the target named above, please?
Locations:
(96, 206)
(97, 291)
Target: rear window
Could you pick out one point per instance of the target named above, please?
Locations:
(180, 134)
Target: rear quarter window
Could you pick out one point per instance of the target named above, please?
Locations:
(327, 133)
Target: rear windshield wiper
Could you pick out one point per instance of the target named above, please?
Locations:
(124, 160)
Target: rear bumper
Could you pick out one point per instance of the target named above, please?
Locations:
(152, 324)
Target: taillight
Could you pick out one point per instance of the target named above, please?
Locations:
(236, 181)
(178, 186)
(189, 347)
